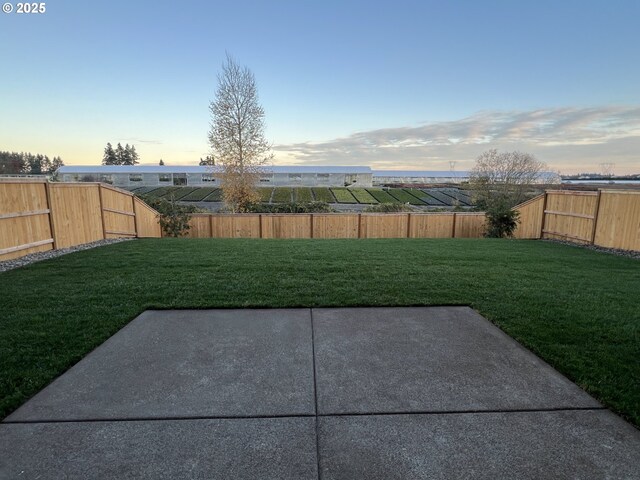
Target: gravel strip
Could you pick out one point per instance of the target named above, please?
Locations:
(613, 251)
(37, 257)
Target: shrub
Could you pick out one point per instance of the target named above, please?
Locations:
(502, 220)
(291, 207)
(174, 218)
(388, 208)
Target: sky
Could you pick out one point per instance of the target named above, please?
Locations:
(393, 85)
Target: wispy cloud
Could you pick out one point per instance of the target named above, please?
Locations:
(140, 140)
(569, 139)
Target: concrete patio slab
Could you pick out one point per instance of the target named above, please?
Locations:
(189, 363)
(273, 448)
(439, 359)
(438, 392)
(524, 445)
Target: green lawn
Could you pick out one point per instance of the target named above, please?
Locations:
(576, 308)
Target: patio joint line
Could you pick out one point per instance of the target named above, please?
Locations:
(461, 412)
(158, 419)
(315, 392)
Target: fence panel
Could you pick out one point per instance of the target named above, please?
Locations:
(24, 220)
(147, 220)
(618, 224)
(469, 225)
(38, 216)
(76, 214)
(431, 225)
(286, 226)
(570, 216)
(119, 217)
(200, 226)
(336, 225)
(531, 218)
(384, 225)
(235, 226)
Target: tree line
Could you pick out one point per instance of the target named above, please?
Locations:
(13, 163)
(120, 155)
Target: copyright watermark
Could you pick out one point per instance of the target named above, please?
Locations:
(20, 7)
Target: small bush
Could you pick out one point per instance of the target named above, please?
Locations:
(388, 208)
(502, 220)
(174, 218)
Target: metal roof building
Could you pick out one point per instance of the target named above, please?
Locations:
(382, 177)
(156, 175)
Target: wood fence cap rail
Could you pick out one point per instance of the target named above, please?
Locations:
(621, 190)
(588, 193)
(22, 180)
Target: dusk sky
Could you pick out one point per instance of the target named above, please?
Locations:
(393, 85)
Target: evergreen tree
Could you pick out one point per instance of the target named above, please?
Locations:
(56, 163)
(161, 163)
(120, 155)
(207, 161)
(133, 155)
(109, 157)
(126, 156)
(12, 163)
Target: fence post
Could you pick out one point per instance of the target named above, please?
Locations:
(104, 228)
(52, 224)
(408, 225)
(211, 225)
(260, 224)
(135, 214)
(453, 228)
(359, 225)
(311, 220)
(596, 214)
(544, 215)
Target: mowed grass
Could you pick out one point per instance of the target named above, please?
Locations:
(576, 308)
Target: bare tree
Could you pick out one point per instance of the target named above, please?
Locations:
(237, 135)
(505, 177)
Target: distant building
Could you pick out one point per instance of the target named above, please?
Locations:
(131, 176)
(383, 177)
(279, 175)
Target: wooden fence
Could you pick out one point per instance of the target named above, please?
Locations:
(36, 216)
(338, 225)
(606, 218)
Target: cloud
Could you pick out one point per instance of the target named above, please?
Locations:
(568, 139)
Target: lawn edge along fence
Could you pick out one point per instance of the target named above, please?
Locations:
(37, 216)
(605, 218)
